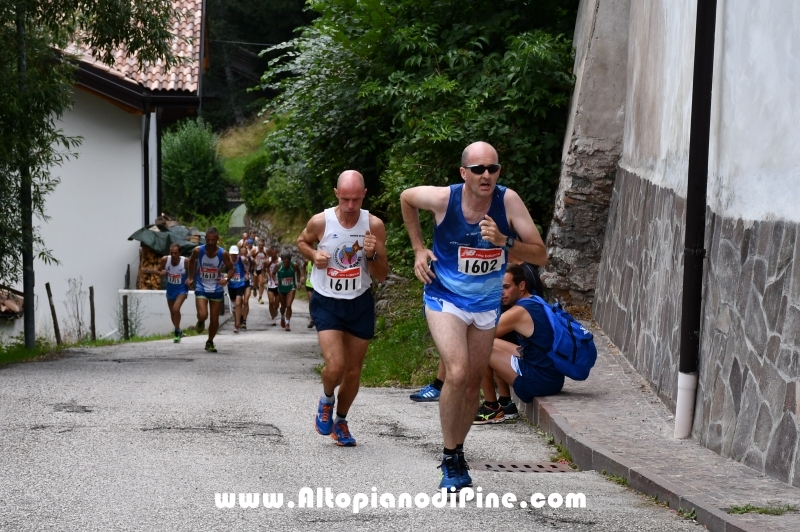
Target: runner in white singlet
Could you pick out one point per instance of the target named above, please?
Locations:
(351, 252)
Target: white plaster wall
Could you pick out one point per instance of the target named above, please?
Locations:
(659, 99)
(755, 155)
(93, 210)
(155, 312)
(754, 160)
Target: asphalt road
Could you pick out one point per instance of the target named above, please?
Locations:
(144, 436)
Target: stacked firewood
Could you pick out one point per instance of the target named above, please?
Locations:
(148, 259)
(10, 303)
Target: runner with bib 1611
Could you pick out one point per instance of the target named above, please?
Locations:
(351, 252)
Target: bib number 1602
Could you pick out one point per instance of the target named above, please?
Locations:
(474, 261)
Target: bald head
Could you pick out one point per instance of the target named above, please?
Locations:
(478, 149)
(350, 192)
(350, 179)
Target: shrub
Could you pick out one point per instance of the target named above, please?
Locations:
(254, 184)
(287, 193)
(398, 89)
(191, 171)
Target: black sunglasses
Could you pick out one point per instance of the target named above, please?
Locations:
(480, 168)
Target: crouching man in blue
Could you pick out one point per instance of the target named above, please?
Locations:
(552, 345)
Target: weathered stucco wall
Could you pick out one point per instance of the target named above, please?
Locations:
(748, 397)
(592, 148)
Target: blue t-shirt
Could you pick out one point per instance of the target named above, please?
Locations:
(469, 270)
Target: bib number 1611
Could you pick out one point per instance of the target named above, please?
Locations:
(343, 281)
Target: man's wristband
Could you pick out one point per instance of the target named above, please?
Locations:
(374, 256)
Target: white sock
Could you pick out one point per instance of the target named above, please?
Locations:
(326, 399)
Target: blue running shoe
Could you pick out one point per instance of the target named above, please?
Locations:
(427, 394)
(324, 420)
(341, 434)
(466, 480)
(451, 473)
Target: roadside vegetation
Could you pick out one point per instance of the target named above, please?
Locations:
(398, 90)
(402, 353)
(15, 351)
(239, 146)
(772, 508)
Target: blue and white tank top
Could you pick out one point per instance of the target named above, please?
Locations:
(239, 271)
(347, 275)
(176, 278)
(209, 271)
(469, 270)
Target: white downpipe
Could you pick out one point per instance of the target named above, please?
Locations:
(684, 409)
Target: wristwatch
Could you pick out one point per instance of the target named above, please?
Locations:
(510, 241)
(374, 256)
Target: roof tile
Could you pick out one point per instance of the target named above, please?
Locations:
(182, 77)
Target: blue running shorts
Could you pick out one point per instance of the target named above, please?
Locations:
(354, 316)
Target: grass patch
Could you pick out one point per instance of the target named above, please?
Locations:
(239, 145)
(622, 481)
(772, 508)
(234, 167)
(401, 356)
(402, 353)
(654, 500)
(16, 352)
(562, 455)
(242, 140)
(687, 515)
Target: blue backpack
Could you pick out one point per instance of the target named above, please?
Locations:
(573, 352)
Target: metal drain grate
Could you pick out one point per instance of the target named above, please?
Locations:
(519, 467)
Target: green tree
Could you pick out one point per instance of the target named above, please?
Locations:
(191, 170)
(35, 94)
(397, 90)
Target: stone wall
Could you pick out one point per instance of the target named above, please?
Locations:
(592, 148)
(638, 297)
(748, 398)
(747, 403)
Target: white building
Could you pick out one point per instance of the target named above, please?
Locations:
(113, 188)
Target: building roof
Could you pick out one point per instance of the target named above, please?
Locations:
(184, 77)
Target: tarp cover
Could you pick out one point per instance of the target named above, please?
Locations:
(160, 241)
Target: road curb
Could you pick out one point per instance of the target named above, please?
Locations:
(592, 457)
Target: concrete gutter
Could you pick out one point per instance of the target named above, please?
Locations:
(589, 456)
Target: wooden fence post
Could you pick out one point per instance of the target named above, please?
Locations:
(53, 312)
(91, 309)
(125, 317)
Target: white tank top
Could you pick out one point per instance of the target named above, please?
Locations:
(347, 275)
(273, 267)
(176, 274)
